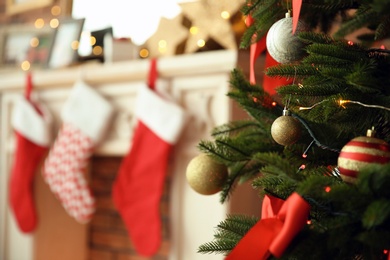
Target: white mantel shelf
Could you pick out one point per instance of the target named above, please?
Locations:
(197, 82)
(100, 73)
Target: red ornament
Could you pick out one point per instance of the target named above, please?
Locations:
(360, 152)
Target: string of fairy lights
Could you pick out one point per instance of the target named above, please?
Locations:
(340, 102)
(315, 141)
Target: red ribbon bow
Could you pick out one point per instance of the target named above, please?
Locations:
(281, 221)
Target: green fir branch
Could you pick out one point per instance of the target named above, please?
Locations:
(216, 247)
(265, 13)
(377, 212)
(236, 127)
(237, 224)
(314, 37)
(363, 17)
(252, 98)
(291, 71)
(379, 6)
(282, 166)
(329, 6)
(383, 29)
(338, 50)
(279, 186)
(348, 221)
(361, 78)
(335, 73)
(374, 181)
(321, 60)
(375, 239)
(318, 89)
(221, 152)
(229, 232)
(236, 171)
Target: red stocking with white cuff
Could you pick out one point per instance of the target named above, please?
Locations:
(32, 124)
(86, 116)
(139, 185)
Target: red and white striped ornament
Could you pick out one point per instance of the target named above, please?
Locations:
(360, 152)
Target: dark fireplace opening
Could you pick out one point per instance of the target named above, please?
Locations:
(107, 234)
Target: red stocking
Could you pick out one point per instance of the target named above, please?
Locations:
(139, 185)
(32, 124)
(86, 116)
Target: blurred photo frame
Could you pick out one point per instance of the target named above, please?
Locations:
(25, 44)
(65, 44)
(93, 49)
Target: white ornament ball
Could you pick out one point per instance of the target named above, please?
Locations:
(282, 45)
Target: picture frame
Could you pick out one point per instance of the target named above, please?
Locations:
(20, 43)
(20, 6)
(86, 51)
(65, 44)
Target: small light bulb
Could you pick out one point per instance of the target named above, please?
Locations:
(194, 30)
(342, 102)
(225, 15)
(56, 10)
(34, 42)
(25, 65)
(97, 50)
(39, 23)
(75, 45)
(144, 53)
(201, 43)
(162, 44)
(54, 23)
(92, 40)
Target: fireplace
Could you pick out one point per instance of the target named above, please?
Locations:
(105, 236)
(197, 82)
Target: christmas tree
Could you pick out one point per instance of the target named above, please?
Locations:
(317, 151)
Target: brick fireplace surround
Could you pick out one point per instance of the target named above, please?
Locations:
(198, 83)
(107, 235)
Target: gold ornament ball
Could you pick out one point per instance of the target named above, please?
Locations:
(205, 175)
(286, 130)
